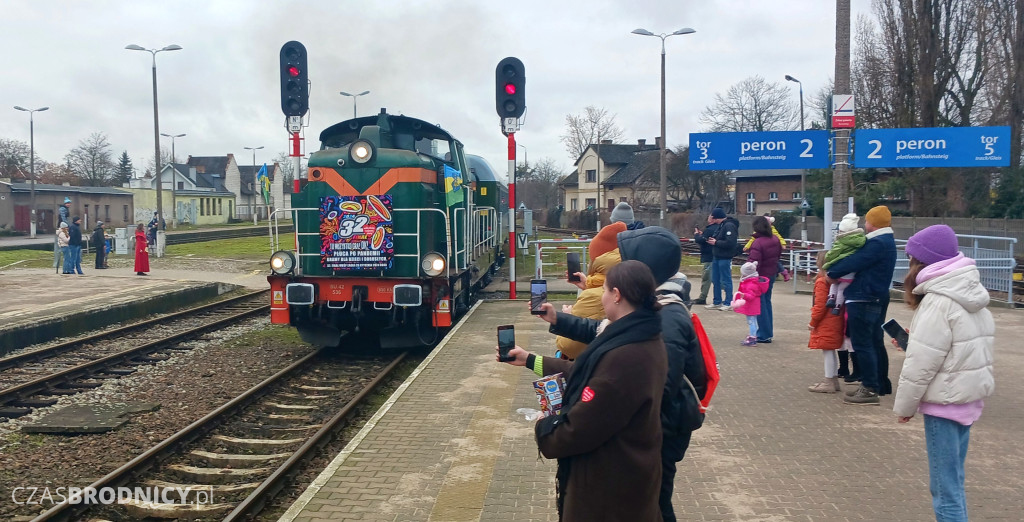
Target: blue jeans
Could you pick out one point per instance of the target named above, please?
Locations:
(68, 264)
(76, 258)
(863, 319)
(721, 276)
(946, 441)
(752, 325)
(765, 330)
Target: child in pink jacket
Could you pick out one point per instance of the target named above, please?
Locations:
(747, 300)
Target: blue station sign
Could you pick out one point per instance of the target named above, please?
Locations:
(931, 147)
(759, 150)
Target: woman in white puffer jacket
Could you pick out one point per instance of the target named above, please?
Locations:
(948, 369)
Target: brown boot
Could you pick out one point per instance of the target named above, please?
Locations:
(825, 386)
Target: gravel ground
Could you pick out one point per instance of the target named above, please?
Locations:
(187, 386)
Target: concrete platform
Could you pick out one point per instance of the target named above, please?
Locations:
(38, 305)
(449, 445)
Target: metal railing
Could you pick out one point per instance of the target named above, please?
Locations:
(554, 245)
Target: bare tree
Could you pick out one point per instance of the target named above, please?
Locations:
(14, 159)
(754, 104)
(537, 184)
(582, 130)
(286, 166)
(92, 160)
(700, 189)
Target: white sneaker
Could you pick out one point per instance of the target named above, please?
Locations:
(711, 306)
(725, 308)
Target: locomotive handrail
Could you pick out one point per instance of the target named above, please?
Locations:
(485, 239)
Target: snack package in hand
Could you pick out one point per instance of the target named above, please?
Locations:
(549, 393)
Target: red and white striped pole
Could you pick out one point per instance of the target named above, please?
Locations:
(512, 215)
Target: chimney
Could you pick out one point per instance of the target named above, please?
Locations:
(657, 141)
(641, 142)
(606, 142)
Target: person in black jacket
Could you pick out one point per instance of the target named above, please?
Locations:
(75, 244)
(706, 257)
(99, 241)
(723, 245)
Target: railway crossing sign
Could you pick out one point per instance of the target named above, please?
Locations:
(759, 150)
(932, 147)
(522, 240)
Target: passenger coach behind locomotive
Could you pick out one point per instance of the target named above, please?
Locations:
(394, 235)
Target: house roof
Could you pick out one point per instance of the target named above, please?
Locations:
(573, 178)
(43, 187)
(616, 154)
(640, 163)
(208, 164)
(247, 173)
(214, 181)
(774, 173)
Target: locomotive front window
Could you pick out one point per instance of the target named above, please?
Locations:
(440, 149)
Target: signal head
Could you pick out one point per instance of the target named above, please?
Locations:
(294, 82)
(510, 88)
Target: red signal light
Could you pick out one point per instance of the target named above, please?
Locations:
(510, 88)
(293, 71)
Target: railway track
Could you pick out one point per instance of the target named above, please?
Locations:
(31, 379)
(235, 459)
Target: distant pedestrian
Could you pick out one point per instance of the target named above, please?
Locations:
(948, 370)
(748, 299)
(75, 244)
(154, 225)
(63, 236)
(867, 300)
(64, 218)
(782, 241)
(723, 246)
(766, 250)
(141, 251)
(826, 332)
(706, 257)
(99, 240)
(607, 438)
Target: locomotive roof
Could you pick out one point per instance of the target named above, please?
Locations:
(481, 169)
(348, 131)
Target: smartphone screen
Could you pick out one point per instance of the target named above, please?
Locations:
(572, 259)
(897, 332)
(506, 341)
(538, 295)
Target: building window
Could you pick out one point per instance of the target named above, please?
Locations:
(220, 206)
(181, 185)
(106, 212)
(591, 203)
(774, 196)
(623, 200)
(126, 220)
(750, 202)
(574, 204)
(592, 176)
(796, 196)
(202, 206)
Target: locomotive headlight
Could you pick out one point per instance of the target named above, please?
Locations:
(432, 264)
(361, 151)
(282, 262)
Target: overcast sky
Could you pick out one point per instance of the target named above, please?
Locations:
(432, 60)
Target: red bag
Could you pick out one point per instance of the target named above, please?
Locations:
(707, 352)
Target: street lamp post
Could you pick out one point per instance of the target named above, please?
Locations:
(662, 144)
(32, 166)
(803, 173)
(174, 200)
(354, 96)
(252, 188)
(156, 126)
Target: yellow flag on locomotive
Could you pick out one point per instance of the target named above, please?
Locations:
(453, 186)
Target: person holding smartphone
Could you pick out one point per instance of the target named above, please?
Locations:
(607, 438)
(948, 370)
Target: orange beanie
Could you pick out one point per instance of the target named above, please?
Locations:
(606, 240)
(879, 216)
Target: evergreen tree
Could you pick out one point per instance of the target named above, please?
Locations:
(125, 171)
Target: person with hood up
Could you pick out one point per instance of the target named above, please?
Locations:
(63, 237)
(623, 213)
(75, 244)
(604, 254)
(607, 437)
(723, 244)
(867, 300)
(948, 370)
(748, 299)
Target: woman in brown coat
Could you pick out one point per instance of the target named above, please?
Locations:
(826, 332)
(607, 438)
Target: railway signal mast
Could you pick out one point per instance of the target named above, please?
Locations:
(294, 99)
(510, 102)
